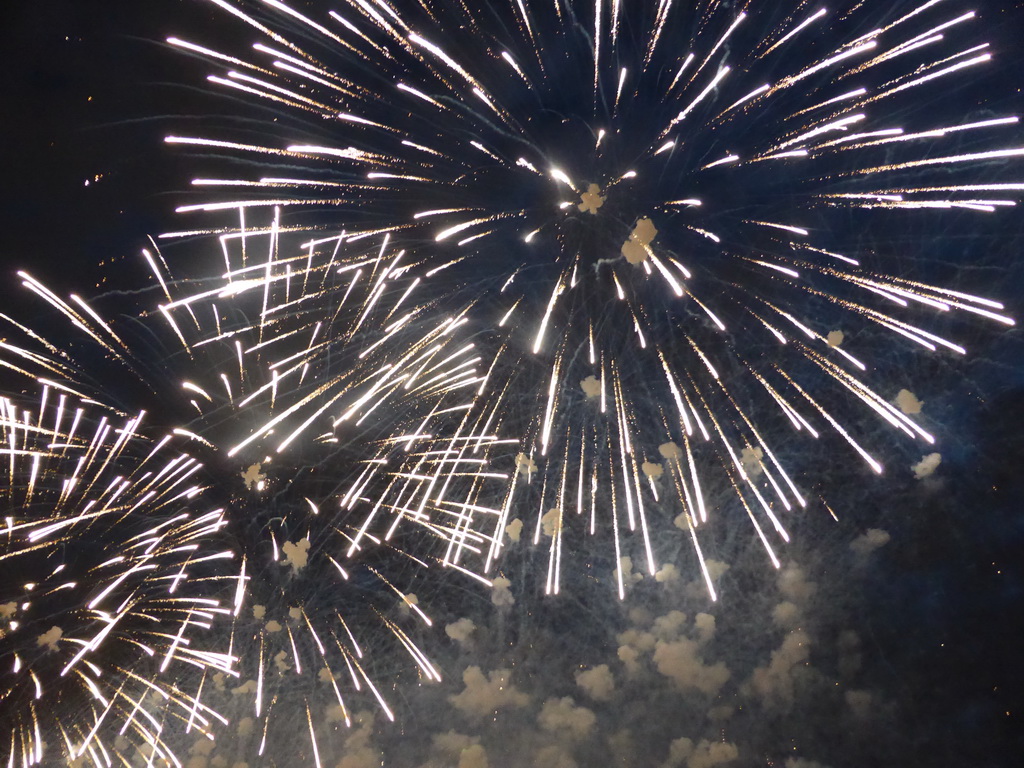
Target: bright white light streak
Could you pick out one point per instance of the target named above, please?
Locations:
(964, 158)
(876, 466)
(559, 288)
(786, 227)
(700, 97)
(700, 558)
(197, 389)
(559, 175)
(512, 63)
(674, 387)
(704, 359)
(679, 72)
(669, 277)
(712, 315)
(721, 161)
(485, 150)
(446, 233)
(312, 737)
(834, 100)
(855, 51)
(694, 477)
(835, 125)
(721, 41)
(752, 94)
(549, 410)
(404, 177)
(925, 78)
(418, 94)
(618, 90)
(778, 155)
(802, 25)
(777, 268)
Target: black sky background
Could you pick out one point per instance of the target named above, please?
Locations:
(89, 90)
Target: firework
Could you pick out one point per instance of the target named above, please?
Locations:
(337, 415)
(109, 573)
(678, 219)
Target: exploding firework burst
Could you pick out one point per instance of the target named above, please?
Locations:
(337, 417)
(667, 212)
(101, 640)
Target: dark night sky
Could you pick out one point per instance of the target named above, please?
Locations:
(90, 97)
(89, 90)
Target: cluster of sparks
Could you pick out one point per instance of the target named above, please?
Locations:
(102, 629)
(642, 227)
